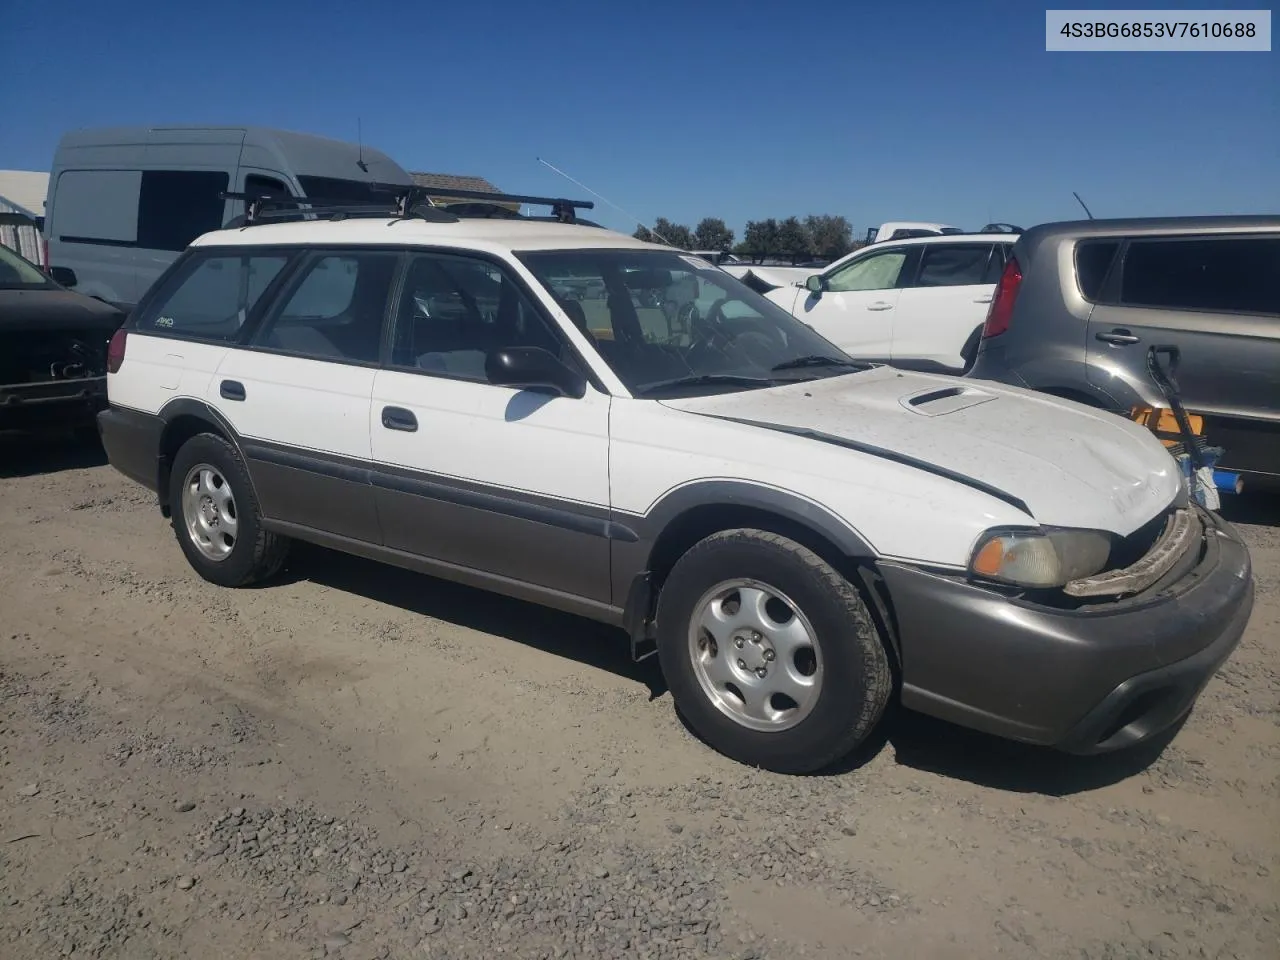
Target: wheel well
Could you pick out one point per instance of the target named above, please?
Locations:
(177, 432)
(700, 522)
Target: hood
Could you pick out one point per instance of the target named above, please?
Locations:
(55, 309)
(1063, 463)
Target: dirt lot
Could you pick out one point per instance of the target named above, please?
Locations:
(362, 763)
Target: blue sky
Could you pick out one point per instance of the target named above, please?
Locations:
(932, 110)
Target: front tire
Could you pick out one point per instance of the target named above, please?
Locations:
(770, 654)
(216, 516)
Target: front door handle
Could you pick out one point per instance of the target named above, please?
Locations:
(880, 305)
(231, 390)
(398, 418)
(986, 299)
(1119, 337)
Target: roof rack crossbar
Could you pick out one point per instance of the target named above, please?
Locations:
(564, 209)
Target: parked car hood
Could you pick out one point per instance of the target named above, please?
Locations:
(1063, 463)
(55, 309)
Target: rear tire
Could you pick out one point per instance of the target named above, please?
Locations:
(216, 517)
(770, 654)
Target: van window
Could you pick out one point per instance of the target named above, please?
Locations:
(176, 206)
(257, 185)
(1093, 263)
(336, 310)
(1220, 274)
(96, 206)
(210, 296)
(334, 188)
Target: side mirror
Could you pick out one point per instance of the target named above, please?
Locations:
(815, 284)
(63, 275)
(532, 368)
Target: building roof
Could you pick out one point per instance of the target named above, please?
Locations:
(450, 181)
(24, 190)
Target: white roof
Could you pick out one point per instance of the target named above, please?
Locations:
(478, 234)
(25, 189)
(944, 238)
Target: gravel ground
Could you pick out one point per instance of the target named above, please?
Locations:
(361, 763)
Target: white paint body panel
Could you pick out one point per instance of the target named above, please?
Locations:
(299, 402)
(900, 511)
(517, 439)
(1072, 466)
(933, 323)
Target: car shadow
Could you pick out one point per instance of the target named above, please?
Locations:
(574, 638)
(29, 454)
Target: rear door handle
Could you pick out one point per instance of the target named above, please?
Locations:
(398, 418)
(231, 390)
(986, 299)
(880, 305)
(1118, 337)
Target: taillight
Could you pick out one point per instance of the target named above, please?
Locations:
(1002, 303)
(115, 350)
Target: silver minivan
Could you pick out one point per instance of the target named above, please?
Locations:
(123, 202)
(1080, 304)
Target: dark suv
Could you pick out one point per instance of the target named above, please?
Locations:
(1080, 303)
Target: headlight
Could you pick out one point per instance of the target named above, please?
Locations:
(1040, 559)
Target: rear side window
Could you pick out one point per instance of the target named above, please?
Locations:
(210, 296)
(176, 206)
(1093, 263)
(336, 309)
(1220, 274)
(954, 264)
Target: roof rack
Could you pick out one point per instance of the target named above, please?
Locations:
(563, 210)
(401, 202)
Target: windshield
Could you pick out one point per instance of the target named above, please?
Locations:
(17, 273)
(671, 324)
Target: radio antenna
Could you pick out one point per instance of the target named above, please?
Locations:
(1081, 202)
(360, 146)
(630, 216)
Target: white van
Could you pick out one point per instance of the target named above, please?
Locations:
(125, 201)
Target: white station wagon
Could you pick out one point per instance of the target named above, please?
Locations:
(799, 536)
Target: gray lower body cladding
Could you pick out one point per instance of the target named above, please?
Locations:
(1089, 680)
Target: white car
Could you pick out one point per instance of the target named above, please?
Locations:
(917, 303)
(800, 536)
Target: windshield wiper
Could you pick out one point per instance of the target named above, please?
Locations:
(705, 379)
(816, 361)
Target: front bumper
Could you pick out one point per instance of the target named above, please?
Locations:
(1090, 680)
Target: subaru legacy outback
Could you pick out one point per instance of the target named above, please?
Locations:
(799, 536)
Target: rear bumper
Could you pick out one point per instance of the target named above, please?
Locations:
(25, 405)
(132, 442)
(1091, 680)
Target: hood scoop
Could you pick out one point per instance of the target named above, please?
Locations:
(939, 401)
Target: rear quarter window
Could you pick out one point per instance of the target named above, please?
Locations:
(211, 295)
(1093, 266)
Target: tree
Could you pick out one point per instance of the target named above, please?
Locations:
(792, 240)
(760, 238)
(712, 234)
(674, 234)
(830, 237)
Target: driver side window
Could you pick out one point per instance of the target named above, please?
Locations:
(880, 271)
